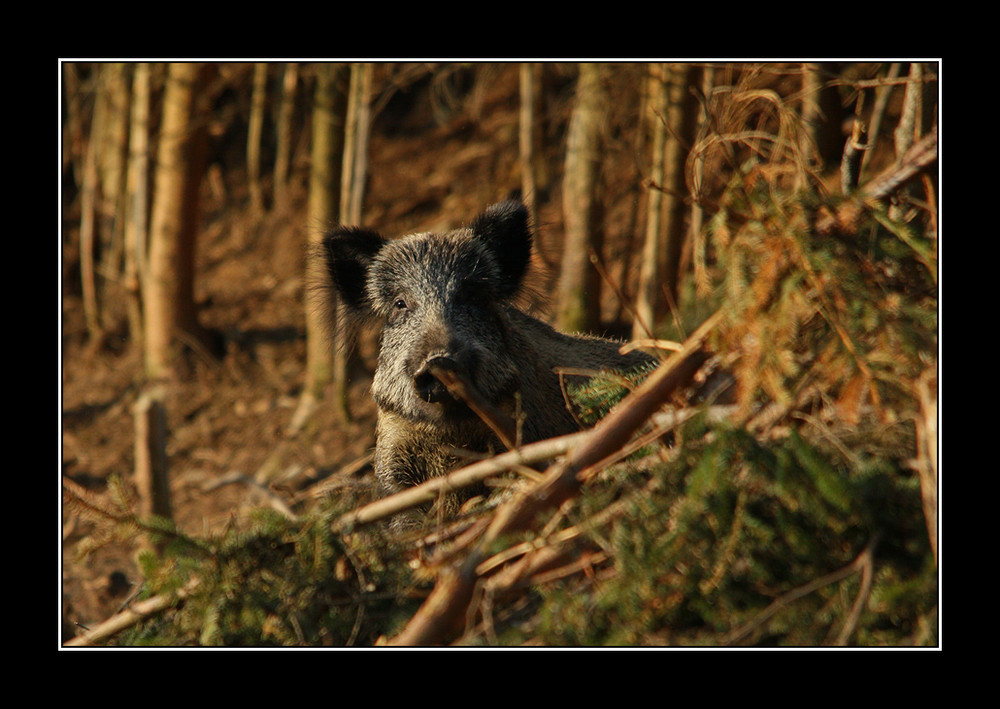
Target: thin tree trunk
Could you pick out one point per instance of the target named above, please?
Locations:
(528, 137)
(821, 113)
(579, 285)
(151, 476)
(254, 133)
(137, 199)
(171, 317)
(910, 126)
(698, 256)
(649, 269)
(352, 184)
(327, 151)
(112, 171)
(284, 149)
(682, 120)
(355, 165)
(882, 94)
(89, 205)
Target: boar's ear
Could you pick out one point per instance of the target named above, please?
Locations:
(348, 253)
(504, 229)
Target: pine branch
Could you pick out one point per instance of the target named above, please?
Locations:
(861, 563)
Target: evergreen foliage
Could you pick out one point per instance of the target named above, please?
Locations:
(277, 582)
(593, 398)
(730, 527)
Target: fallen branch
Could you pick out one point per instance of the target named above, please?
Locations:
(463, 477)
(132, 615)
(444, 611)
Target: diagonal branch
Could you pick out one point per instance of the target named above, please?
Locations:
(446, 608)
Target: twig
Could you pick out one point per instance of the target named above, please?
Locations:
(651, 344)
(262, 490)
(863, 560)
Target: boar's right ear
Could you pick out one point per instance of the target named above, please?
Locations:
(348, 253)
(505, 230)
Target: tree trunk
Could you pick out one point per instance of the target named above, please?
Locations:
(114, 155)
(151, 477)
(352, 184)
(529, 136)
(283, 155)
(355, 165)
(137, 199)
(171, 317)
(649, 273)
(254, 132)
(329, 103)
(698, 246)
(822, 113)
(579, 285)
(89, 205)
(682, 117)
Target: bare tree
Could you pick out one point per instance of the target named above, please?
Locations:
(649, 281)
(329, 104)
(822, 112)
(137, 199)
(88, 221)
(352, 183)
(579, 285)
(673, 125)
(255, 131)
(355, 166)
(284, 148)
(683, 120)
(171, 315)
(529, 138)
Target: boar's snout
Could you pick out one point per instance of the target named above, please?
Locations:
(429, 387)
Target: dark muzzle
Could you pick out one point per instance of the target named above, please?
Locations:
(429, 387)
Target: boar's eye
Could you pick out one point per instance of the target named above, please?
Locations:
(399, 304)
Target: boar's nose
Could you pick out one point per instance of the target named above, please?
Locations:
(429, 387)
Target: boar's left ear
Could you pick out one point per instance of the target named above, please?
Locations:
(505, 231)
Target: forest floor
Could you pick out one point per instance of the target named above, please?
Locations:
(231, 414)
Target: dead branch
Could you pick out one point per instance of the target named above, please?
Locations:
(463, 477)
(918, 158)
(501, 424)
(260, 490)
(862, 562)
(132, 615)
(445, 609)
